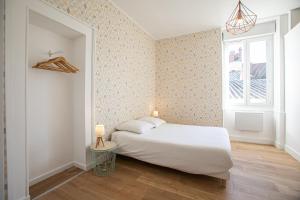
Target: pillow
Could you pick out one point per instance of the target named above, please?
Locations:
(135, 126)
(153, 120)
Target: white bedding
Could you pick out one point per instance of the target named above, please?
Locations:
(192, 149)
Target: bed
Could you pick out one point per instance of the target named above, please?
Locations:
(191, 149)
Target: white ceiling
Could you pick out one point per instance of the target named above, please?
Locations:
(169, 18)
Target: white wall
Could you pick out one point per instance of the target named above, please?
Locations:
(274, 116)
(2, 136)
(292, 92)
(279, 70)
(15, 80)
(50, 105)
(263, 137)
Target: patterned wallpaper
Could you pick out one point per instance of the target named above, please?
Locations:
(189, 78)
(125, 61)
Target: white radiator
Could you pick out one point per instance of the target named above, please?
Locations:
(249, 121)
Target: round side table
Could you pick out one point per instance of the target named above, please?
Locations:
(103, 158)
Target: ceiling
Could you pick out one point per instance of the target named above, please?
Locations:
(169, 18)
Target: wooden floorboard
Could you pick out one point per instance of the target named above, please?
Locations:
(47, 184)
(260, 172)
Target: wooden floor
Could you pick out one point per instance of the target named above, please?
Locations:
(43, 186)
(260, 173)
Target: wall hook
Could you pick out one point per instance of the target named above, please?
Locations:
(50, 53)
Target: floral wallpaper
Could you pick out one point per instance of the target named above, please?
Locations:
(185, 71)
(189, 78)
(125, 61)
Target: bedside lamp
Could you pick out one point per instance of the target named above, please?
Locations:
(99, 134)
(155, 113)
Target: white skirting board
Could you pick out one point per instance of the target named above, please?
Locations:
(292, 152)
(279, 145)
(82, 166)
(58, 170)
(25, 198)
(287, 148)
(57, 186)
(239, 138)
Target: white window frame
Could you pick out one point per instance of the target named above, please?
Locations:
(246, 64)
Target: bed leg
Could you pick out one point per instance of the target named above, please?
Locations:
(223, 183)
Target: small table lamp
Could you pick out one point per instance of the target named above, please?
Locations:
(99, 134)
(155, 113)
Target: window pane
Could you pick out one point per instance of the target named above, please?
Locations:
(258, 75)
(235, 67)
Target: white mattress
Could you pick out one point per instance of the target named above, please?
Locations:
(192, 149)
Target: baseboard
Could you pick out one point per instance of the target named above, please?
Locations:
(50, 173)
(89, 166)
(82, 166)
(57, 186)
(251, 140)
(58, 170)
(25, 198)
(292, 152)
(278, 145)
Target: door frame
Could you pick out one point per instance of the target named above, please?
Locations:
(16, 82)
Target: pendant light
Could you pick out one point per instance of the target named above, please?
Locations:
(241, 20)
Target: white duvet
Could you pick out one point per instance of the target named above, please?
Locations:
(192, 149)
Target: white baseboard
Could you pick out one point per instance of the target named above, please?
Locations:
(292, 152)
(82, 166)
(278, 145)
(251, 140)
(89, 166)
(58, 170)
(57, 186)
(25, 198)
(50, 173)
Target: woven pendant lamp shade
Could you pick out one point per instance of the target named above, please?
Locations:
(241, 20)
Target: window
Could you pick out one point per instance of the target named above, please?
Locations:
(249, 66)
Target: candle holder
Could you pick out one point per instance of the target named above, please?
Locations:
(99, 138)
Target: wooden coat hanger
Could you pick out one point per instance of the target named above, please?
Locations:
(56, 64)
